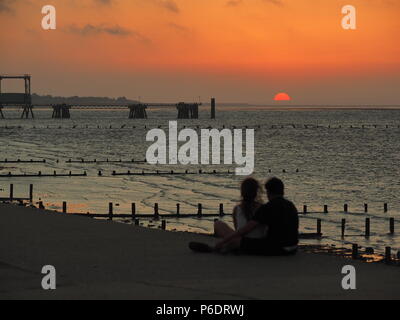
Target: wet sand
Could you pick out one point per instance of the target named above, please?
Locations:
(98, 259)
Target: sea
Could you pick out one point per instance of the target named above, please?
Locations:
(325, 156)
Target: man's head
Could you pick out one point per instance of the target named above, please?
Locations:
(275, 188)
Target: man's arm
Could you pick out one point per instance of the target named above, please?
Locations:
(250, 226)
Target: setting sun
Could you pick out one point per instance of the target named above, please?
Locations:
(282, 96)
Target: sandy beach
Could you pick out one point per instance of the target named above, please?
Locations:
(98, 259)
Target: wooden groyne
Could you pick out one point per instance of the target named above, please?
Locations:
(23, 161)
(105, 161)
(156, 213)
(325, 209)
(114, 173)
(171, 172)
(43, 175)
(256, 127)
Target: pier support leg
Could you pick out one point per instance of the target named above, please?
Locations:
(28, 110)
(61, 111)
(138, 111)
(188, 110)
(213, 108)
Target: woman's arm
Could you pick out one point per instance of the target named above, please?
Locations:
(250, 226)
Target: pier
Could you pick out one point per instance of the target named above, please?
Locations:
(62, 110)
(136, 111)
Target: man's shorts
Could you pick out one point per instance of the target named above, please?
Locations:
(263, 247)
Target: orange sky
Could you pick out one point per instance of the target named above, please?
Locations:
(238, 50)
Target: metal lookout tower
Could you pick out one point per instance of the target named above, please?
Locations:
(17, 99)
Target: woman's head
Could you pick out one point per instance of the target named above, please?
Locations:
(250, 189)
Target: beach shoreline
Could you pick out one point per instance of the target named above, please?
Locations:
(99, 259)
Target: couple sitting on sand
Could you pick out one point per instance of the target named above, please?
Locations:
(263, 229)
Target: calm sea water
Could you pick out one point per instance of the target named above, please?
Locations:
(337, 165)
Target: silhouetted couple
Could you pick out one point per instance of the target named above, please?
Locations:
(262, 229)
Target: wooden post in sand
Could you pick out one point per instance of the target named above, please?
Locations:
(199, 210)
(221, 210)
(178, 209)
(385, 207)
(319, 226)
(304, 209)
(133, 211)
(391, 225)
(156, 213)
(354, 253)
(64, 207)
(11, 192)
(365, 207)
(367, 227)
(163, 225)
(325, 209)
(110, 211)
(343, 227)
(31, 193)
(346, 208)
(388, 254)
(213, 108)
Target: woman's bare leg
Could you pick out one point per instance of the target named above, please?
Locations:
(222, 229)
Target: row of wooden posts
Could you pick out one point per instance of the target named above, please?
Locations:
(172, 172)
(105, 161)
(305, 207)
(305, 126)
(40, 174)
(43, 175)
(94, 161)
(157, 172)
(22, 161)
(367, 227)
(345, 208)
(156, 215)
